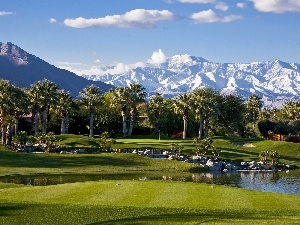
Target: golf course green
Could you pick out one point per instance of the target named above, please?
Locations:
(140, 201)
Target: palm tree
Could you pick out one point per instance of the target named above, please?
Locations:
(21, 106)
(182, 106)
(64, 107)
(137, 95)
(206, 107)
(92, 97)
(33, 97)
(42, 96)
(156, 106)
(120, 98)
(10, 105)
(127, 98)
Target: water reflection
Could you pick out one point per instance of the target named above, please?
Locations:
(280, 182)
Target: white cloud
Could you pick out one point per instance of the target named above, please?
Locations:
(97, 61)
(52, 20)
(241, 5)
(97, 70)
(158, 57)
(221, 6)
(3, 13)
(70, 64)
(138, 18)
(277, 6)
(209, 16)
(197, 1)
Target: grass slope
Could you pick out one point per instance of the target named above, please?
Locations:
(140, 202)
(145, 202)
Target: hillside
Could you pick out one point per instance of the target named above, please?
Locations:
(24, 69)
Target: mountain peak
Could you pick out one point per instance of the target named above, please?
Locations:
(24, 69)
(275, 80)
(180, 61)
(14, 53)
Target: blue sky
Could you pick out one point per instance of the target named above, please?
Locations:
(85, 35)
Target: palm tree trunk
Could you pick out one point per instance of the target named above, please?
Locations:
(91, 124)
(36, 123)
(200, 128)
(16, 125)
(124, 124)
(206, 128)
(63, 124)
(8, 135)
(184, 127)
(132, 120)
(44, 121)
(67, 124)
(3, 132)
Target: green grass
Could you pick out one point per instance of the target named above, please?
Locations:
(289, 152)
(140, 202)
(50, 163)
(145, 202)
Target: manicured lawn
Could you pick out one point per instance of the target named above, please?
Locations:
(140, 202)
(230, 148)
(145, 202)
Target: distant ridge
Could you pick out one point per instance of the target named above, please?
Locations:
(24, 69)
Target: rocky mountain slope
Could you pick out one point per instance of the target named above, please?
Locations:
(24, 69)
(274, 81)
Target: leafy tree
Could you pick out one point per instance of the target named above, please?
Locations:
(169, 122)
(105, 141)
(291, 110)
(107, 117)
(265, 126)
(202, 146)
(91, 98)
(254, 105)
(231, 117)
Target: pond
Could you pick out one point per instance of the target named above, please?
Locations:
(280, 182)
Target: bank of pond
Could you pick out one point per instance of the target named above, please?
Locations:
(287, 182)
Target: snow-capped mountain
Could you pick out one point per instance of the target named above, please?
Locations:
(274, 81)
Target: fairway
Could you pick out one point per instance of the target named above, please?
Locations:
(139, 201)
(144, 202)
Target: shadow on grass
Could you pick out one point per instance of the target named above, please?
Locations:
(7, 209)
(94, 214)
(198, 217)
